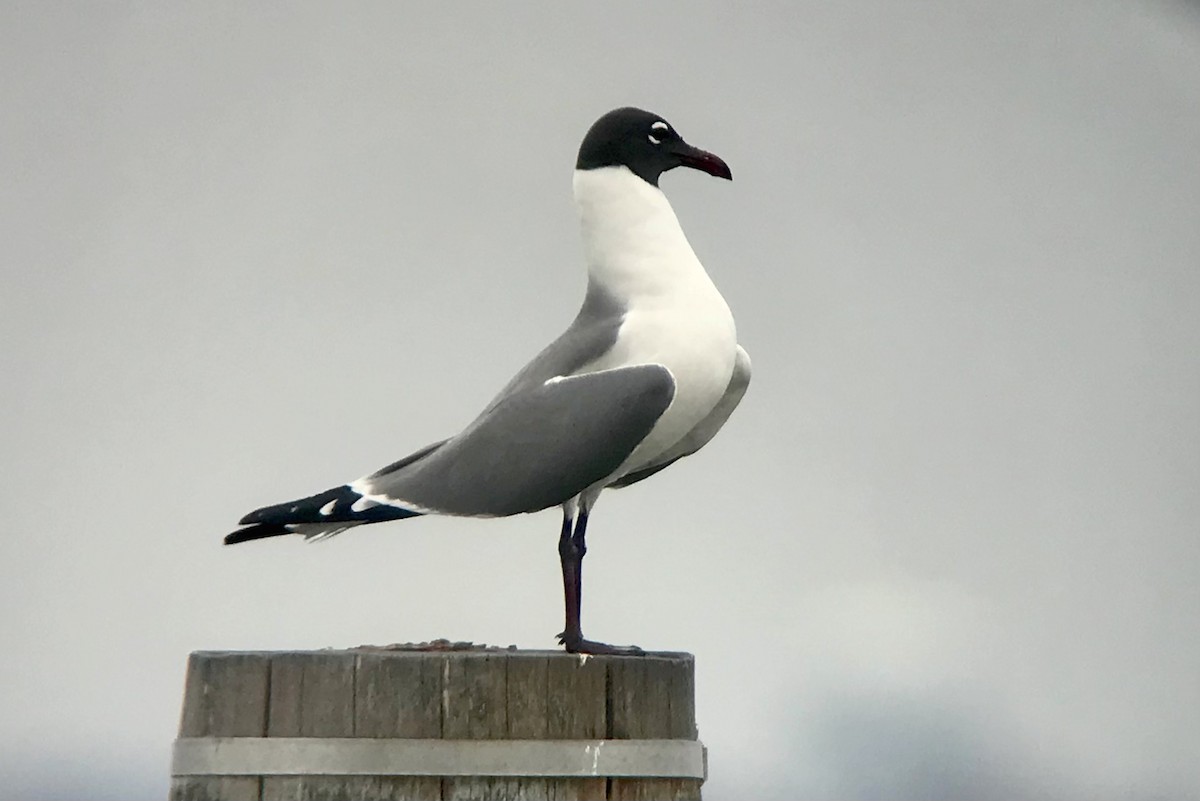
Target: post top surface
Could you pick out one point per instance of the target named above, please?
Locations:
(458, 651)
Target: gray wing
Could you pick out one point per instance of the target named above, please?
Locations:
(705, 430)
(536, 446)
(590, 335)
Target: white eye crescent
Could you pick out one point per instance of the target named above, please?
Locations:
(653, 140)
(658, 126)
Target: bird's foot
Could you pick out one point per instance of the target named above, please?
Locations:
(576, 644)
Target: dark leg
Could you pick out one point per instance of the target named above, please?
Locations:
(571, 549)
(571, 563)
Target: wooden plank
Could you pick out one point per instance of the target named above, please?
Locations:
(399, 695)
(526, 697)
(311, 695)
(475, 707)
(525, 702)
(646, 701)
(215, 788)
(575, 698)
(475, 697)
(225, 695)
(576, 710)
(682, 672)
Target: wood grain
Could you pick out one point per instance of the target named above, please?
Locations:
(473, 694)
(224, 694)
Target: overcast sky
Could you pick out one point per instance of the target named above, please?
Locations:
(947, 548)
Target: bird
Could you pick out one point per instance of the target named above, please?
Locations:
(647, 373)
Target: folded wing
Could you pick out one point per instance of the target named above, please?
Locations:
(532, 449)
(704, 431)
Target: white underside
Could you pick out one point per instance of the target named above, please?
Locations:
(636, 251)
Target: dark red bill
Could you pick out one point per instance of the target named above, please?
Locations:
(704, 161)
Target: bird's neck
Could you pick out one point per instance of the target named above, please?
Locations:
(634, 247)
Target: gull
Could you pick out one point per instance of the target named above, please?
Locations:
(646, 374)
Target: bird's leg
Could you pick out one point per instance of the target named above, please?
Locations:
(580, 550)
(571, 563)
(572, 545)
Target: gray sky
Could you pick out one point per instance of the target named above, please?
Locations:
(947, 548)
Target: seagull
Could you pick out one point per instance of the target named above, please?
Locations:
(646, 374)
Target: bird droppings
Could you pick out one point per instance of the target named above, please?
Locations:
(439, 644)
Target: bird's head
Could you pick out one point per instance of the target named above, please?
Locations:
(646, 144)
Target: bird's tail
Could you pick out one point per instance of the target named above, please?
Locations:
(317, 517)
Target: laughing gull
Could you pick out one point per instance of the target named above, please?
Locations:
(647, 373)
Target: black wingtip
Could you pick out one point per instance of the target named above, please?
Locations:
(258, 532)
(255, 516)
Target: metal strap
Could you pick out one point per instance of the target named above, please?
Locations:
(338, 756)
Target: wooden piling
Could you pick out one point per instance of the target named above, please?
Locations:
(437, 724)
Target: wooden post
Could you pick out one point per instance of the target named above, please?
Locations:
(421, 723)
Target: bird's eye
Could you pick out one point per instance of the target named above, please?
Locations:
(661, 128)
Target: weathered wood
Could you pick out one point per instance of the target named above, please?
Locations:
(399, 698)
(312, 695)
(576, 709)
(480, 712)
(215, 788)
(646, 703)
(417, 694)
(224, 694)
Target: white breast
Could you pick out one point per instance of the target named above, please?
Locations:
(636, 250)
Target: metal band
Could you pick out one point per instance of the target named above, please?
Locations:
(336, 756)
